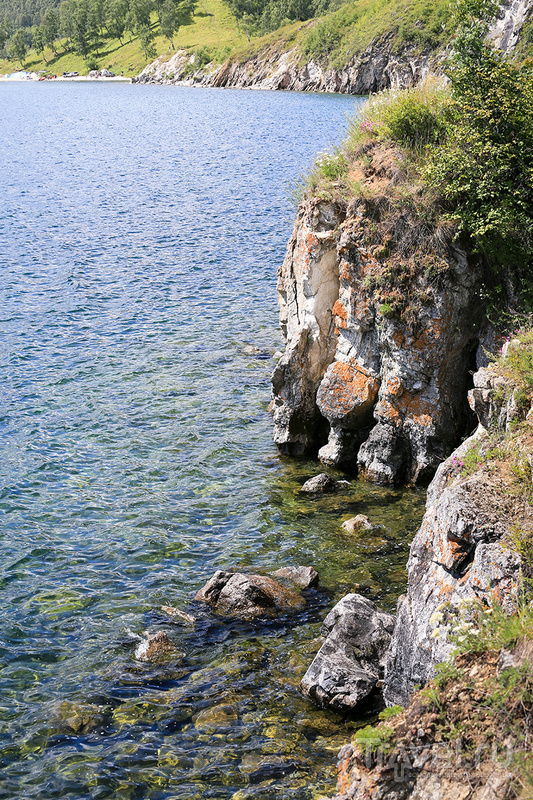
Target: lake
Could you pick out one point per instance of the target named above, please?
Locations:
(142, 228)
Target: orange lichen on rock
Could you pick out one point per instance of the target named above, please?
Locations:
(393, 386)
(340, 314)
(394, 408)
(388, 413)
(347, 390)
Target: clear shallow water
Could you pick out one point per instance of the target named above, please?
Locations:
(140, 231)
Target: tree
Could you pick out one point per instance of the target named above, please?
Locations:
(37, 41)
(141, 10)
(50, 28)
(117, 15)
(80, 33)
(66, 19)
(18, 46)
(171, 15)
(5, 32)
(146, 36)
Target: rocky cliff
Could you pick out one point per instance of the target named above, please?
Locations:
(465, 561)
(377, 67)
(383, 326)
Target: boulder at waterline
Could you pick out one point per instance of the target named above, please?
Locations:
(304, 577)
(154, 647)
(349, 664)
(235, 594)
(322, 484)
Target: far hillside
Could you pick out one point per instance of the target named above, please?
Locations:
(123, 36)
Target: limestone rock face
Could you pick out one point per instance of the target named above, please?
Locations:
(505, 30)
(308, 286)
(234, 594)
(379, 66)
(390, 396)
(351, 660)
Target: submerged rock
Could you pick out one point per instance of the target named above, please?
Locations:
(69, 717)
(349, 664)
(235, 594)
(170, 611)
(304, 577)
(216, 716)
(322, 484)
(358, 523)
(154, 647)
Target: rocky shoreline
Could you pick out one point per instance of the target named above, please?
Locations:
(378, 67)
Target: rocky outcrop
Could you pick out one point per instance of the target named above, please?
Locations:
(505, 30)
(377, 67)
(458, 556)
(349, 664)
(358, 382)
(462, 555)
(234, 594)
(452, 741)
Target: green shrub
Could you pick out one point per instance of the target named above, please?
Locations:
(375, 739)
(484, 169)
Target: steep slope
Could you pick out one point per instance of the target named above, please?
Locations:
(467, 734)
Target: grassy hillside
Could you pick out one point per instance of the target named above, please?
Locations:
(332, 39)
(213, 27)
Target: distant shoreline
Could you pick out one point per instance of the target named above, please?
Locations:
(34, 78)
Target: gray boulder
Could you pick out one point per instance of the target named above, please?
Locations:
(235, 594)
(351, 661)
(322, 484)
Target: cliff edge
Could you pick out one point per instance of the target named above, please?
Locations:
(383, 324)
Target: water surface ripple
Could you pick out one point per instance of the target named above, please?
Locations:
(141, 230)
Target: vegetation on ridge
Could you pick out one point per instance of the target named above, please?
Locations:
(460, 161)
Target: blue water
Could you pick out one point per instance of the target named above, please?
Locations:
(141, 229)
